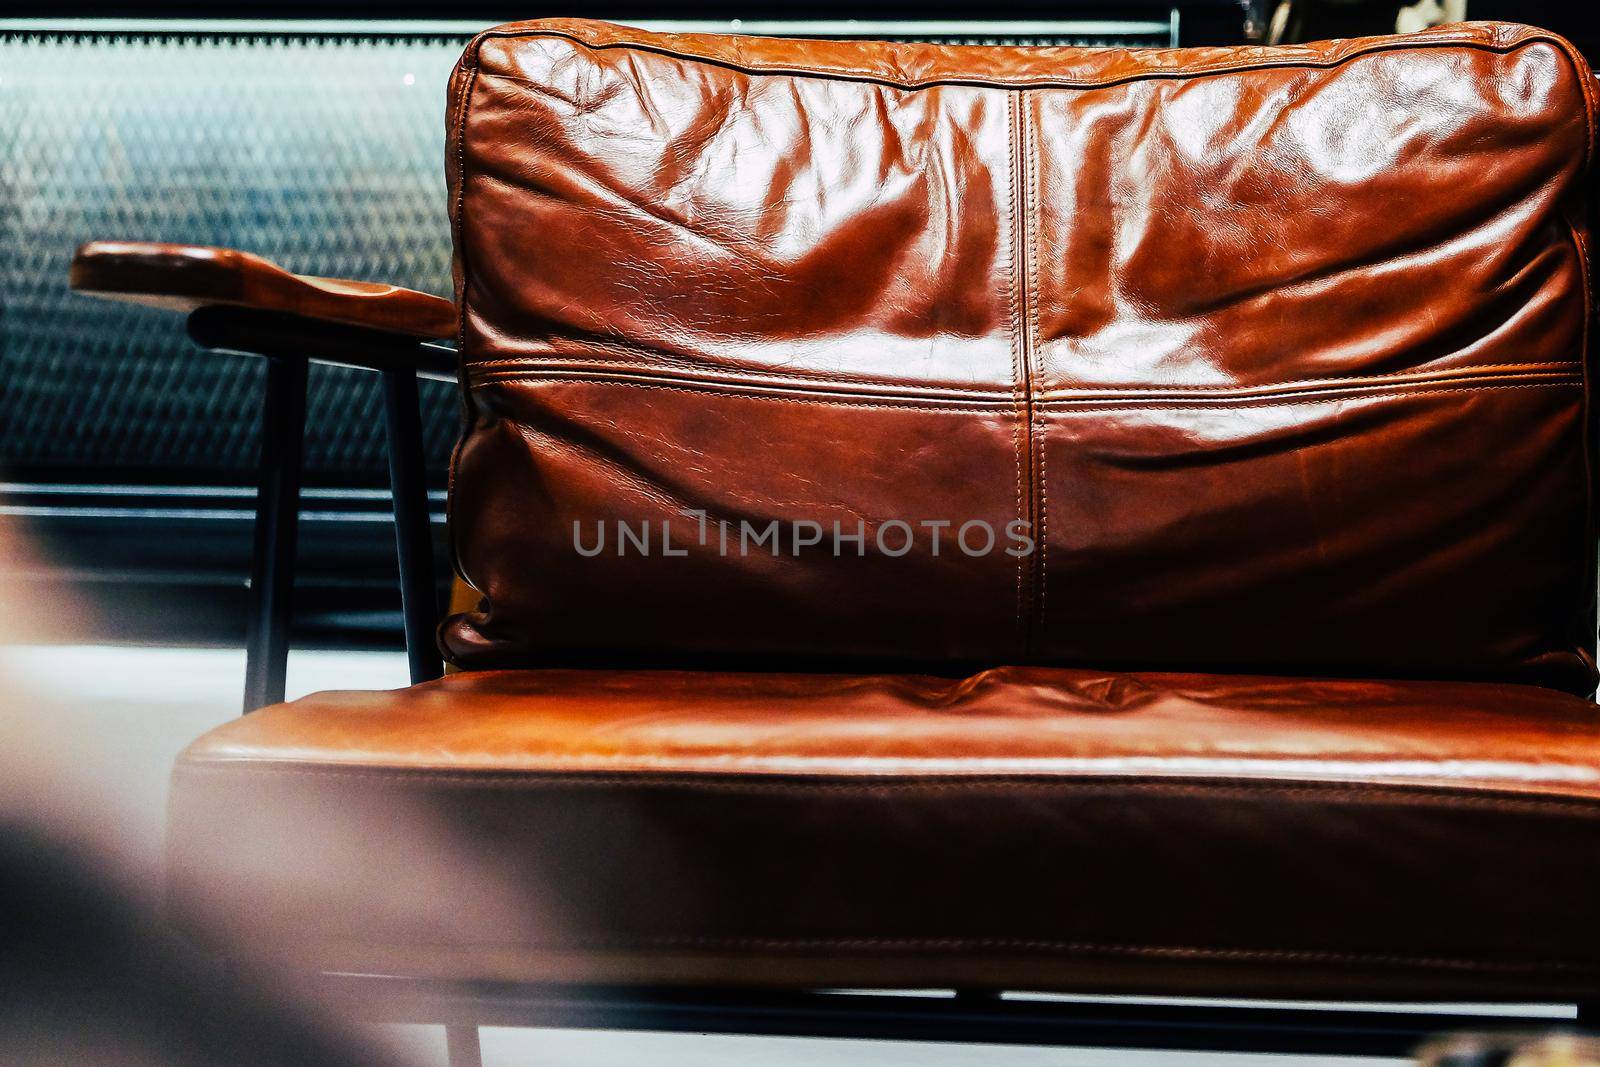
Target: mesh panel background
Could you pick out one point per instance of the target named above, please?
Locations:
(325, 155)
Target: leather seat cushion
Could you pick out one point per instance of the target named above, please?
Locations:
(1067, 829)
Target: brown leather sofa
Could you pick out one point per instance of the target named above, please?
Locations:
(1266, 371)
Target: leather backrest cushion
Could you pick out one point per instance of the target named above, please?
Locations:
(1276, 355)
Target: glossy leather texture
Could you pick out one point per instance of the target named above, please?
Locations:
(187, 277)
(1025, 827)
(1279, 353)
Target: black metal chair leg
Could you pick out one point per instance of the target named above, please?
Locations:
(283, 419)
(1589, 1014)
(412, 525)
(462, 1044)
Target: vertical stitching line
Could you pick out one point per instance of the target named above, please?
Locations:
(465, 106)
(1586, 635)
(1012, 222)
(459, 237)
(1036, 416)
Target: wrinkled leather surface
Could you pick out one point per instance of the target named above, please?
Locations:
(1030, 827)
(1280, 351)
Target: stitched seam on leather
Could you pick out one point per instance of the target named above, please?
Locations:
(844, 73)
(1181, 403)
(760, 376)
(1022, 265)
(1586, 81)
(464, 106)
(556, 368)
(952, 407)
(971, 407)
(1583, 639)
(458, 223)
(1019, 409)
(1586, 87)
(732, 376)
(875, 786)
(1087, 947)
(1036, 425)
(672, 362)
(623, 375)
(1419, 376)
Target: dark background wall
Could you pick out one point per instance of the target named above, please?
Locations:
(1578, 20)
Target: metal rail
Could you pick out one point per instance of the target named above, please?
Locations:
(966, 1016)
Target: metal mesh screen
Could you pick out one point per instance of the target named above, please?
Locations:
(322, 154)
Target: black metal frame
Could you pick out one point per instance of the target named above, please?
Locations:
(946, 1016)
(289, 343)
(283, 420)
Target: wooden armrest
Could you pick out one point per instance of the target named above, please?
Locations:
(187, 277)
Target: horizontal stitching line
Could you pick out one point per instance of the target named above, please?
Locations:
(1356, 392)
(730, 783)
(761, 375)
(681, 366)
(885, 403)
(1280, 401)
(1420, 377)
(797, 381)
(855, 73)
